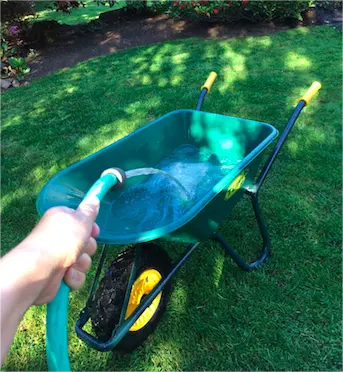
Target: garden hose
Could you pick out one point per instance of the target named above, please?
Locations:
(57, 309)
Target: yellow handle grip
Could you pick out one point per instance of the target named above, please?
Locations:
(311, 92)
(210, 80)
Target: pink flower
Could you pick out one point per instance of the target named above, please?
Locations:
(215, 11)
(13, 30)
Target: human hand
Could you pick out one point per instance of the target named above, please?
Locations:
(59, 246)
(65, 241)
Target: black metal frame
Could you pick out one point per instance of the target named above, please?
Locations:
(124, 325)
(265, 254)
(201, 99)
(253, 193)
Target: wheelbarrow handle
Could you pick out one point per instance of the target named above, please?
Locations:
(209, 82)
(304, 101)
(57, 309)
(206, 89)
(312, 91)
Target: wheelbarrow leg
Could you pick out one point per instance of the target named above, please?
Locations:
(218, 237)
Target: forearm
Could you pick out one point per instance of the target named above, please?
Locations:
(19, 288)
(59, 246)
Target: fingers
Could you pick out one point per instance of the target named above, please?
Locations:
(75, 275)
(90, 249)
(89, 208)
(95, 230)
(83, 263)
(86, 214)
(74, 278)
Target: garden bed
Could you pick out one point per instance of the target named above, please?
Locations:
(118, 30)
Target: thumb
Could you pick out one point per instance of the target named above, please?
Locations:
(88, 210)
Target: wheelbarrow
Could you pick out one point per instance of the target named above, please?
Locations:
(177, 179)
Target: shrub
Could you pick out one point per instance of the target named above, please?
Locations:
(13, 28)
(135, 5)
(160, 6)
(66, 6)
(255, 11)
(12, 64)
(139, 5)
(329, 4)
(14, 10)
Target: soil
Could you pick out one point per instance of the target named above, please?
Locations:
(118, 30)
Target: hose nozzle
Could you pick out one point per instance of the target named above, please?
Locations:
(119, 174)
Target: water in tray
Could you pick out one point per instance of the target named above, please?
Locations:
(159, 200)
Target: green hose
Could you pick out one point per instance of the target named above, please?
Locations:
(57, 310)
(57, 331)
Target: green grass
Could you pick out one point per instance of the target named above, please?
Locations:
(285, 316)
(78, 15)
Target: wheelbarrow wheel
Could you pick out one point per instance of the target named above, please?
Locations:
(154, 264)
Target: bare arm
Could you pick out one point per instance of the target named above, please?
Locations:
(30, 274)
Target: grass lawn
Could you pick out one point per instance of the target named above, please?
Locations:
(78, 15)
(285, 316)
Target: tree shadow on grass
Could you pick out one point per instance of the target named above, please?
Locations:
(219, 317)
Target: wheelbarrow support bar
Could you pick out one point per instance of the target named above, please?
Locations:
(253, 190)
(265, 254)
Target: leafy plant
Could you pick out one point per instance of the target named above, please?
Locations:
(132, 4)
(328, 4)
(4, 47)
(255, 11)
(136, 4)
(160, 6)
(12, 65)
(15, 10)
(66, 6)
(16, 67)
(19, 66)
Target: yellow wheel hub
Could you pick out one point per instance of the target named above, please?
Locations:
(143, 285)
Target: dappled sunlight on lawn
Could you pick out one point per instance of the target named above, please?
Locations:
(218, 266)
(78, 15)
(296, 61)
(217, 313)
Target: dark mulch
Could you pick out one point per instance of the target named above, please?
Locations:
(116, 30)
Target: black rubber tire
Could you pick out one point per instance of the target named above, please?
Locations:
(110, 294)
